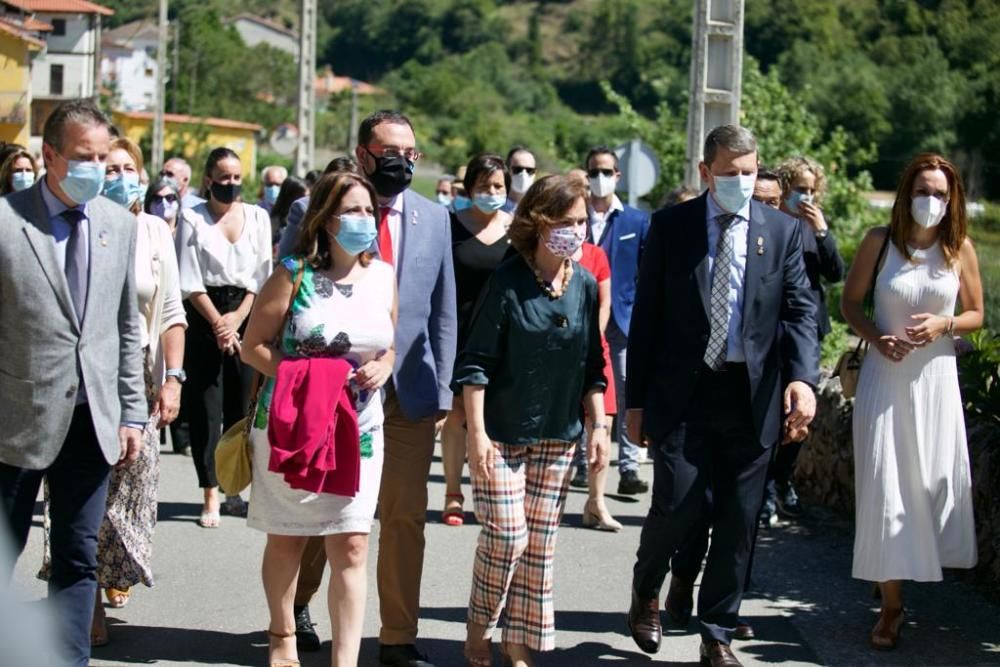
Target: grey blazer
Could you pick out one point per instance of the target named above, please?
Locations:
(42, 344)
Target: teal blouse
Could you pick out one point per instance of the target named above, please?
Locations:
(536, 357)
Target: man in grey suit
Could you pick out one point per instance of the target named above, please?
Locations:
(70, 359)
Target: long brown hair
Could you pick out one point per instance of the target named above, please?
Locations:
(954, 225)
(324, 200)
(543, 205)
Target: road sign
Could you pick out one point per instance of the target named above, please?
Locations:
(285, 139)
(640, 170)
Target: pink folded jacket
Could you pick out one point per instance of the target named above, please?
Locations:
(313, 427)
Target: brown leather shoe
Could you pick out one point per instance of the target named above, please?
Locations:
(679, 602)
(744, 630)
(717, 654)
(644, 623)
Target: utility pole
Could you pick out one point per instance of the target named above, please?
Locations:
(352, 130)
(307, 74)
(175, 71)
(716, 76)
(161, 90)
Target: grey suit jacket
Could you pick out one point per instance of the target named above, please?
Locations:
(42, 344)
(427, 329)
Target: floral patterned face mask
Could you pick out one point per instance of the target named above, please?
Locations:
(563, 242)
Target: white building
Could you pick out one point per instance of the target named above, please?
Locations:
(256, 30)
(128, 65)
(70, 66)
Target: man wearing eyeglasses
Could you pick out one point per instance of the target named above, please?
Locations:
(179, 171)
(621, 232)
(521, 163)
(414, 235)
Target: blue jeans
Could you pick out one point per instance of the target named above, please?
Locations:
(628, 451)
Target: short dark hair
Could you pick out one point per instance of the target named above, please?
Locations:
(600, 150)
(483, 166)
(767, 174)
(313, 175)
(369, 124)
(515, 150)
(733, 138)
(83, 112)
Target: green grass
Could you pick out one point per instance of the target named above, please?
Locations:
(987, 242)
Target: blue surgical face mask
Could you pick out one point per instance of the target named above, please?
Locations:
(793, 200)
(124, 189)
(461, 203)
(22, 180)
(489, 203)
(356, 233)
(733, 192)
(444, 199)
(83, 181)
(271, 194)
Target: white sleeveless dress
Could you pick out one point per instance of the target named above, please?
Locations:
(352, 322)
(913, 490)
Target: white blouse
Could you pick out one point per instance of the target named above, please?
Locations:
(156, 286)
(208, 259)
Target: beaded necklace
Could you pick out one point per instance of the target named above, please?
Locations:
(547, 289)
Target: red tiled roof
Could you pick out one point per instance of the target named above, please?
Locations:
(192, 120)
(60, 6)
(34, 25)
(20, 33)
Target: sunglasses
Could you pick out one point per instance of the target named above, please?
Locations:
(594, 173)
(168, 198)
(518, 170)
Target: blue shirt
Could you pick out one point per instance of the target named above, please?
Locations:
(737, 271)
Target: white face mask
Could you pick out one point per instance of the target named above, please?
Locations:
(520, 183)
(928, 211)
(602, 186)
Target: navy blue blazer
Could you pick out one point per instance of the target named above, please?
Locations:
(427, 327)
(671, 325)
(622, 240)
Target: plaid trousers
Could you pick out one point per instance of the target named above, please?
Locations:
(519, 509)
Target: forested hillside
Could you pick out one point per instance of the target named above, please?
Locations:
(897, 75)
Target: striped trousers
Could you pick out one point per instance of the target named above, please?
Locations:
(519, 509)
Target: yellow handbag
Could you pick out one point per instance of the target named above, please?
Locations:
(232, 454)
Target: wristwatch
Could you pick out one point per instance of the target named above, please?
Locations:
(822, 234)
(177, 373)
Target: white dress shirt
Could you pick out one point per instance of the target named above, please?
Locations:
(599, 221)
(737, 270)
(208, 259)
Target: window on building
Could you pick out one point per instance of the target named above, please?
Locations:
(58, 27)
(56, 80)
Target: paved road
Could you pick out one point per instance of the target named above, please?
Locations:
(208, 605)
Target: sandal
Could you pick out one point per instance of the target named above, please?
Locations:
(885, 634)
(235, 506)
(209, 520)
(453, 516)
(118, 597)
(280, 662)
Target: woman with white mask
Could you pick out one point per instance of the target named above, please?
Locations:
(913, 492)
(522, 167)
(163, 200)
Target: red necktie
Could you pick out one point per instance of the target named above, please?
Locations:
(384, 237)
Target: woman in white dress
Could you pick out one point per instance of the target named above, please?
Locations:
(224, 253)
(345, 308)
(913, 492)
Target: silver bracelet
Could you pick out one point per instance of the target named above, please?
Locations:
(597, 425)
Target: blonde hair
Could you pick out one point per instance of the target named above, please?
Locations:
(794, 167)
(134, 152)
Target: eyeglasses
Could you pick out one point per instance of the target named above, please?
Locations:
(411, 154)
(166, 174)
(594, 173)
(517, 170)
(167, 198)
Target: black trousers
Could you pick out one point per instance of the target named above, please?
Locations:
(215, 395)
(715, 447)
(78, 489)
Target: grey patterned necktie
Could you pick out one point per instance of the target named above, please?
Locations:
(718, 340)
(76, 261)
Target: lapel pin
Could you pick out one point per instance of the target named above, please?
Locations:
(760, 245)
(413, 218)
(102, 237)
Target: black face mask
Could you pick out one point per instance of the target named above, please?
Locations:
(392, 175)
(225, 193)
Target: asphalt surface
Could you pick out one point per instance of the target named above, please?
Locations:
(207, 607)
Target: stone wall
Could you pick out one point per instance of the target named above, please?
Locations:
(825, 473)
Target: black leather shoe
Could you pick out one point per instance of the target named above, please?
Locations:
(788, 502)
(644, 623)
(744, 630)
(580, 480)
(629, 484)
(305, 630)
(679, 602)
(717, 654)
(401, 655)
